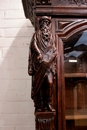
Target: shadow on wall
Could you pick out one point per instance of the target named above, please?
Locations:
(16, 106)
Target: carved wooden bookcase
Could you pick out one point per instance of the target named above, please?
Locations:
(68, 30)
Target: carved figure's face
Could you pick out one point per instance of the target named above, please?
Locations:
(45, 29)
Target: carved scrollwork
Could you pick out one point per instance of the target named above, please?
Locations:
(79, 2)
(70, 2)
(45, 121)
(42, 2)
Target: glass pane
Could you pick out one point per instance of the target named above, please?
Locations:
(75, 63)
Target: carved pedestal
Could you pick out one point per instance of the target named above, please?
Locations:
(45, 120)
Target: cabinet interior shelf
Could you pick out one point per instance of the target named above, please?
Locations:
(76, 117)
(74, 75)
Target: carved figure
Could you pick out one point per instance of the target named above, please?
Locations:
(42, 60)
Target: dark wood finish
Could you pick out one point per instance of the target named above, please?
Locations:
(58, 26)
(42, 65)
(42, 68)
(45, 120)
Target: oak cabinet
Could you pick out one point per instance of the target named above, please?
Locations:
(69, 36)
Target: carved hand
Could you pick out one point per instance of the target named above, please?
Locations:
(40, 57)
(47, 63)
(54, 55)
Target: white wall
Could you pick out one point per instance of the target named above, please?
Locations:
(16, 106)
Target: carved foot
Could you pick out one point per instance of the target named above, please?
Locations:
(37, 110)
(50, 108)
(40, 108)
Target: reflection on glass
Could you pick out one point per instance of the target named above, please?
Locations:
(75, 62)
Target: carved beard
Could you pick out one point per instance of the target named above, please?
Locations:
(46, 35)
(45, 41)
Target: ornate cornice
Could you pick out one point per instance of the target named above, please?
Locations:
(62, 8)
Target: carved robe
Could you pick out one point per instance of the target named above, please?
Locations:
(36, 67)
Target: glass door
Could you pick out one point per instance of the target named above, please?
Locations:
(75, 65)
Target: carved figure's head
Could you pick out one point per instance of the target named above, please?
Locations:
(44, 19)
(44, 26)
